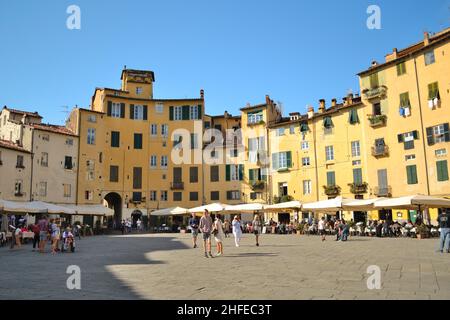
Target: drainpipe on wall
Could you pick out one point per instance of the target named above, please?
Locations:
(422, 128)
(315, 159)
(32, 165)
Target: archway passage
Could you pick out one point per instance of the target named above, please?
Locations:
(135, 216)
(115, 202)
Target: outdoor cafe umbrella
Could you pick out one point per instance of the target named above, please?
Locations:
(170, 212)
(249, 207)
(214, 207)
(23, 207)
(92, 209)
(331, 205)
(294, 205)
(54, 209)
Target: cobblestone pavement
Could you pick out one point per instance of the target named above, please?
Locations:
(283, 267)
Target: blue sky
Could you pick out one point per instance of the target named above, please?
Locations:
(238, 51)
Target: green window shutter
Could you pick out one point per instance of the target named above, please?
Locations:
(109, 111)
(442, 170)
(131, 111)
(170, 113)
(122, 110)
(289, 159)
(275, 162)
(433, 91)
(199, 112)
(304, 127)
(241, 172)
(251, 175)
(186, 112)
(404, 99)
(327, 122)
(228, 172)
(353, 116)
(430, 136)
(331, 178)
(446, 132)
(411, 173)
(145, 112)
(357, 176)
(401, 138)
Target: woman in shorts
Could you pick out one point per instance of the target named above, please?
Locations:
(56, 233)
(256, 224)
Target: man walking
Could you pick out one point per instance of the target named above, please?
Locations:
(321, 228)
(193, 223)
(206, 228)
(444, 224)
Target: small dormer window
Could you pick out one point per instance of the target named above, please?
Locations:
(139, 90)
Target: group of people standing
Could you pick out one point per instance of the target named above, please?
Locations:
(219, 230)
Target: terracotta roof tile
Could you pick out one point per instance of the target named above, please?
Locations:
(11, 145)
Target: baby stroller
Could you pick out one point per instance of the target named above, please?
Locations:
(68, 241)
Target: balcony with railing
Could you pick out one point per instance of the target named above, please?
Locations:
(332, 190)
(358, 188)
(377, 120)
(380, 151)
(383, 191)
(177, 186)
(379, 92)
(258, 185)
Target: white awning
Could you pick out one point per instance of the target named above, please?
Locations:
(413, 203)
(249, 207)
(91, 209)
(170, 212)
(359, 204)
(55, 209)
(214, 207)
(331, 205)
(23, 207)
(293, 205)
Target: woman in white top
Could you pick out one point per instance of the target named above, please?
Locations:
(56, 233)
(256, 224)
(218, 235)
(237, 231)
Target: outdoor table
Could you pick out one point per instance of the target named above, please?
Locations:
(28, 235)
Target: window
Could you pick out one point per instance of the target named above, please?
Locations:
(401, 68)
(67, 190)
(178, 113)
(139, 90)
(153, 162)
(18, 188)
(356, 149)
(327, 123)
(91, 136)
(357, 176)
(159, 108)
(68, 165)
(177, 196)
(233, 195)
(353, 116)
(45, 137)
(164, 195)
(154, 130)
(433, 91)
(193, 174)
(194, 113)
(44, 159)
(441, 152)
(234, 172)
(69, 142)
(19, 163)
(137, 178)
(329, 153)
(137, 196)
(214, 173)
(89, 195)
(376, 109)
(234, 153)
(411, 173)
(410, 157)
(429, 58)
(138, 141)
(438, 134)
(153, 195)
(164, 130)
(255, 117)
(42, 189)
(305, 145)
(164, 162)
(331, 178)
(306, 162)
(116, 110)
(282, 160)
(280, 132)
(404, 100)
(292, 129)
(356, 162)
(138, 112)
(373, 78)
(92, 118)
(193, 196)
(115, 139)
(114, 174)
(307, 187)
(409, 140)
(90, 168)
(442, 170)
(215, 195)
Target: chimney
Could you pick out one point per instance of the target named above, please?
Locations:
(333, 103)
(350, 99)
(321, 105)
(202, 94)
(294, 116)
(345, 101)
(426, 38)
(268, 101)
(226, 115)
(310, 112)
